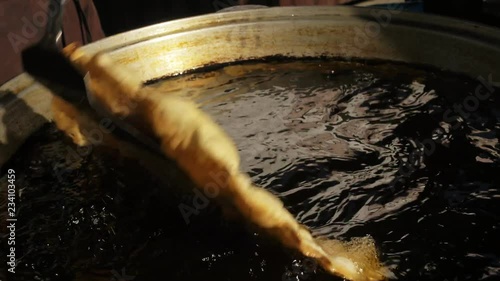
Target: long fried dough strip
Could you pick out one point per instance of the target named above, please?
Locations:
(207, 154)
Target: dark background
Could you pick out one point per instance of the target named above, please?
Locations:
(122, 15)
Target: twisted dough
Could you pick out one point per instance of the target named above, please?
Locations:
(205, 152)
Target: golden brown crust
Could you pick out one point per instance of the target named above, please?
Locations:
(206, 153)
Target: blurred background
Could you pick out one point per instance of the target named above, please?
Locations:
(118, 16)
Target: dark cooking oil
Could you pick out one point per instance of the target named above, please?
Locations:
(405, 154)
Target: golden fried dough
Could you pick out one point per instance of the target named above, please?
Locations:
(205, 152)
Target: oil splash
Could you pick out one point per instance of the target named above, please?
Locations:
(363, 251)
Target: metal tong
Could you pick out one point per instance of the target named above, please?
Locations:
(45, 62)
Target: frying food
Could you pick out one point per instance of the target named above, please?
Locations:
(206, 153)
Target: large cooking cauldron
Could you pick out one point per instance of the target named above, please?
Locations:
(177, 46)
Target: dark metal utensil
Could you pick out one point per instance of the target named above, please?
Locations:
(45, 62)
